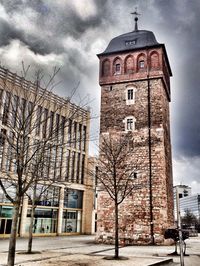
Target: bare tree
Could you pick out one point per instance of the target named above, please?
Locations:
(39, 190)
(25, 140)
(116, 174)
(189, 219)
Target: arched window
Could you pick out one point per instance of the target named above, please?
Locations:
(129, 65)
(141, 62)
(129, 123)
(117, 66)
(106, 68)
(154, 60)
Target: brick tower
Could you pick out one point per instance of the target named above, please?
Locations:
(135, 93)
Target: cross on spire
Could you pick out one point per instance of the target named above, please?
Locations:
(136, 14)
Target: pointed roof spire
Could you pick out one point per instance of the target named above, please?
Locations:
(136, 14)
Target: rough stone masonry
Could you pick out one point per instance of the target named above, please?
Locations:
(135, 93)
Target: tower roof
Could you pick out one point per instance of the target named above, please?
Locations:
(130, 41)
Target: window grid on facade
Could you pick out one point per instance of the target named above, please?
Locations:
(51, 163)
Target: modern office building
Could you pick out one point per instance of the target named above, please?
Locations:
(66, 205)
(181, 191)
(191, 203)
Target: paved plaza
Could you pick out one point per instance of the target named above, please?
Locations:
(82, 251)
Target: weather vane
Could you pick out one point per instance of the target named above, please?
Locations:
(136, 14)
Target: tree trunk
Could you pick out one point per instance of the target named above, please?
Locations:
(30, 237)
(116, 232)
(13, 234)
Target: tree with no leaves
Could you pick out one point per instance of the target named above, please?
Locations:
(116, 174)
(189, 219)
(28, 136)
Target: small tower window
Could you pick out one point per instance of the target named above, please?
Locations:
(129, 123)
(141, 64)
(130, 95)
(117, 68)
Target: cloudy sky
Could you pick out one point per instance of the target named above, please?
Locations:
(69, 34)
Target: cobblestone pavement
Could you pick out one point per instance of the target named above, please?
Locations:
(82, 251)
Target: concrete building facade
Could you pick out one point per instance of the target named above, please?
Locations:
(134, 75)
(66, 206)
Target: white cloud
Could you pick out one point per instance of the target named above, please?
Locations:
(186, 172)
(85, 8)
(3, 13)
(16, 52)
(25, 20)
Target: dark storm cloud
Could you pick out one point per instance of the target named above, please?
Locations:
(183, 23)
(53, 22)
(7, 33)
(59, 28)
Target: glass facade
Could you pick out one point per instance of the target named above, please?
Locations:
(73, 199)
(71, 221)
(45, 221)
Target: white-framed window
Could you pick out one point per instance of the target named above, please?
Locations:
(130, 95)
(129, 123)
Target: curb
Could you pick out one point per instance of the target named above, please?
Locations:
(163, 262)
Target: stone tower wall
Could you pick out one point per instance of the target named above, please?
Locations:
(134, 212)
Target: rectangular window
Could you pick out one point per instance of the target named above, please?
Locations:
(6, 109)
(79, 136)
(67, 165)
(141, 64)
(62, 128)
(73, 166)
(83, 169)
(29, 116)
(78, 167)
(84, 138)
(129, 124)
(51, 124)
(39, 114)
(130, 94)
(57, 126)
(117, 68)
(69, 135)
(14, 111)
(44, 127)
(75, 135)
(2, 142)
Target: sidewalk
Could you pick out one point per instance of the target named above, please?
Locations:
(82, 251)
